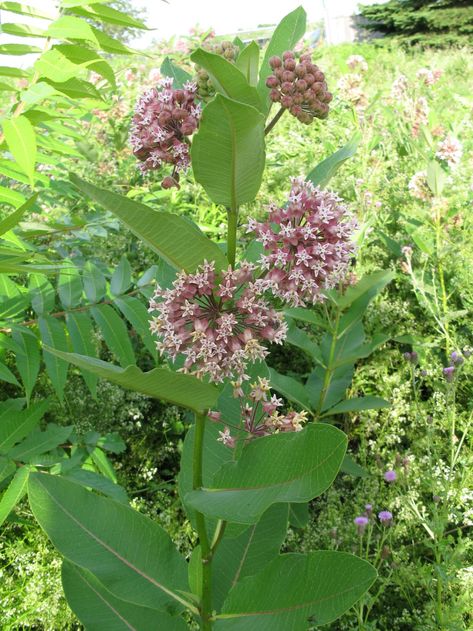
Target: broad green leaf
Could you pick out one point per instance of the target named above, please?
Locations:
(436, 178)
(82, 334)
(99, 610)
(357, 404)
(298, 337)
(9, 196)
(103, 464)
(340, 381)
(19, 423)
(291, 467)
(18, 49)
(95, 285)
(109, 15)
(290, 388)
(12, 220)
(86, 57)
(296, 591)
(306, 315)
(37, 443)
(24, 9)
(179, 76)
(68, 27)
(248, 62)
(37, 93)
(21, 140)
(286, 35)
(7, 468)
(22, 30)
(245, 555)
(323, 172)
(160, 383)
(174, 238)
(98, 482)
(27, 358)
(53, 333)
(13, 493)
(368, 287)
(137, 315)
(353, 468)
(8, 71)
(131, 555)
(111, 45)
(55, 66)
(42, 294)
(299, 515)
(228, 152)
(227, 78)
(7, 375)
(121, 277)
(69, 286)
(115, 333)
(76, 89)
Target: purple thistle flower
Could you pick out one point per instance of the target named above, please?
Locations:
(361, 522)
(390, 476)
(456, 358)
(217, 321)
(449, 373)
(385, 517)
(311, 247)
(368, 509)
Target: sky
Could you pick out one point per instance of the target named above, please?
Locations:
(176, 17)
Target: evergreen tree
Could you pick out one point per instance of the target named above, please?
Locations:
(424, 22)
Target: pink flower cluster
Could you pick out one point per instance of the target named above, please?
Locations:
(357, 62)
(308, 243)
(163, 118)
(429, 77)
(418, 186)
(421, 115)
(450, 150)
(218, 321)
(260, 415)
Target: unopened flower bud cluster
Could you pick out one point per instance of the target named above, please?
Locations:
(299, 86)
(164, 118)
(226, 49)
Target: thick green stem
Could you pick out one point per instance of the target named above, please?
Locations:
(206, 601)
(232, 235)
(329, 370)
(438, 243)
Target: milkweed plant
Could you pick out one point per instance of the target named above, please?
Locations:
(252, 458)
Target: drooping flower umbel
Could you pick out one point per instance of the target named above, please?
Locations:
(308, 244)
(217, 320)
(450, 150)
(299, 86)
(163, 119)
(259, 412)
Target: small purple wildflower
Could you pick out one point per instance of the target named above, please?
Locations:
(411, 357)
(390, 476)
(449, 373)
(361, 522)
(368, 509)
(385, 517)
(456, 359)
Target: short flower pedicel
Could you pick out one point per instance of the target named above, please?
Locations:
(163, 118)
(311, 248)
(218, 321)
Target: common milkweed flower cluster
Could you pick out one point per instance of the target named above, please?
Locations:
(418, 186)
(308, 244)
(357, 62)
(217, 320)
(163, 119)
(260, 413)
(450, 150)
(429, 77)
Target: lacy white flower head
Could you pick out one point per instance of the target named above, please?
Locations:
(357, 62)
(217, 321)
(418, 186)
(450, 150)
(308, 244)
(260, 413)
(429, 77)
(164, 118)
